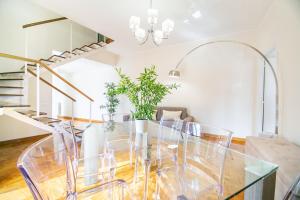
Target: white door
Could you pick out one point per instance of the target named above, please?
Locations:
(269, 96)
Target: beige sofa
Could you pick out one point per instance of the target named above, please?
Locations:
(184, 115)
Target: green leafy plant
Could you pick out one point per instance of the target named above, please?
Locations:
(111, 96)
(146, 93)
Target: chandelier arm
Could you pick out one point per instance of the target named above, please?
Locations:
(152, 35)
(145, 40)
(152, 20)
(259, 53)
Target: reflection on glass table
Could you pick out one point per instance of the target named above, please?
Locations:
(203, 169)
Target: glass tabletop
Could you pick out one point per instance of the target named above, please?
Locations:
(197, 163)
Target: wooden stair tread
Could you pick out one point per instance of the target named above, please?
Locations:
(11, 87)
(14, 72)
(68, 54)
(56, 58)
(86, 48)
(47, 120)
(47, 62)
(30, 113)
(11, 95)
(95, 45)
(9, 105)
(11, 79)
(78, 51)
(28, 65)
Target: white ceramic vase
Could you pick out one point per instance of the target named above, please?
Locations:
(141, 128)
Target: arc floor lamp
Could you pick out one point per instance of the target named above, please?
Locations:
(176, 73)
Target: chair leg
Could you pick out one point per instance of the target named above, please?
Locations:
(157, 188)
(147, 171)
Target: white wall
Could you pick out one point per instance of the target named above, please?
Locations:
(60, 36)
(41, 39)
(218, 83)
(13, 15)
(280, 30)
(13, 129)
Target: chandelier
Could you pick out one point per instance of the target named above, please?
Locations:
(157, 35)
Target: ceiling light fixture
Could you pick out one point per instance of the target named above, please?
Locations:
(157, 35)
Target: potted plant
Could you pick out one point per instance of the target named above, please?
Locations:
(111, 96)
(145, 94)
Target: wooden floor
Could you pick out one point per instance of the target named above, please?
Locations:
(11, 181)
(12, 185)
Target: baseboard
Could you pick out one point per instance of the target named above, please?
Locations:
(237, 140)
(79, 119)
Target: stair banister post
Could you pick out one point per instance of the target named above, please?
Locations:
(72, 111)
(37, 90)
(90, 119)
(25, 82)
(71, 37)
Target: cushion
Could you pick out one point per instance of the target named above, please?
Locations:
(171, 115)
(160, 110)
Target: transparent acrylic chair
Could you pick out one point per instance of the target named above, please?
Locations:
(48, 171)
(209, 133)
(122, 149)
(166, 141)
(169, 134)
(117, 125)
(197, 175)
(94, 167)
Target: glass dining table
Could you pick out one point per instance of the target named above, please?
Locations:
(155, 167)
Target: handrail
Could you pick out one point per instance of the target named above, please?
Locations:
(4, 55)
(44, 22)
(48, 83)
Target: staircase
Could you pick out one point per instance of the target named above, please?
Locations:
(11, 89)
(12, 85)
(68, 56)
(11, 101)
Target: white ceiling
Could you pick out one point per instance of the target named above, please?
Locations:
(110, 17)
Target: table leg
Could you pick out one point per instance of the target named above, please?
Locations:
(147, 171)
(263, 189)
(268, 192)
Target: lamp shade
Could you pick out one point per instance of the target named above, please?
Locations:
(140, 34)
(134, 23)
(158, 36)
(152, 16)
(167, 26)
(174, 73)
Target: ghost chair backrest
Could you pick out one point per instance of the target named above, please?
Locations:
(45, 165)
